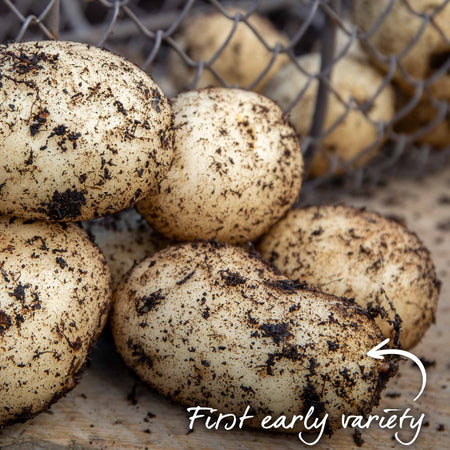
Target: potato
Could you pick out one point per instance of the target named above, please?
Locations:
(399, 28)
(349, 252)
(356, 83)
(83, 132)
(237, 168)
(243, 59)
(209, 324)
(124, 238)
(420, 116)
(343, 38)
(54, 299)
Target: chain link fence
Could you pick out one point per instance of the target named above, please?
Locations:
(365, 83)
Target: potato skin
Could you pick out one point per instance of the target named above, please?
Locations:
(55, 295)
(237, 168)
(420, 116)
(208, 324)
(83, 133)
(399, 28)
(359, 254)
(354, 81)
(242, 60)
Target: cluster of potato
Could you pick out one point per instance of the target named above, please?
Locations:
(378, 262)
(428, 56)
(85, 133)
(360, 102)
(354, 82)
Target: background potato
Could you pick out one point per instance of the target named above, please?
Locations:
(356, 83)
(243, 59)
(358, 254)
(83, 132)
(54, 298)
(420, 116)
(399, 28)
(211, 325)
(237, 168)
(343, 38)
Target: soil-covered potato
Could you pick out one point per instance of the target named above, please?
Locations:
(242, 60)
(359, 254)
(55, 295)
(83, 132)
(237, 168)
(355, 83)
(212, 325)
(429, 52)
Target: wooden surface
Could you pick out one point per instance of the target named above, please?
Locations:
(104, 412)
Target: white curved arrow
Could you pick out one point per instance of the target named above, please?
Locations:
(378, 354)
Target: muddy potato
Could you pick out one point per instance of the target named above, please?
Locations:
(350, 252)
(125, 239)
(355, 82)
(54, 298)
(237, 168)
(243, 59)
(400, 26)
(208, 324)
(83, 132)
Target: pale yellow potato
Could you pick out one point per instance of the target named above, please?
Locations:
(357, 254)
(212, 325)
(244, 58)
(400, 27)
(237, 168)
(83, 132)
(342, 39)
(124, 238)
(55, 295)
(355, 81)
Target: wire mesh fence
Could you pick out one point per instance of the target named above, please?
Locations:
(366, 84)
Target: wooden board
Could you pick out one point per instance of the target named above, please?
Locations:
(111, 409)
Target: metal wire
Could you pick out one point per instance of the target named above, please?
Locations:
(145, 32)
